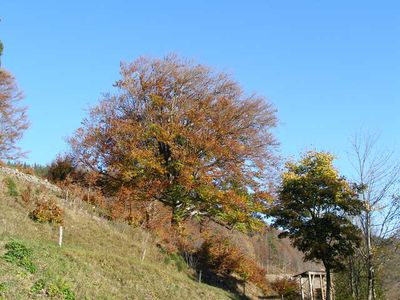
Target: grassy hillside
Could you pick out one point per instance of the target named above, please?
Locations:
(98, 260)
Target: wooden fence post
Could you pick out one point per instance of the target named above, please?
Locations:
(60, 236)
(145, 245)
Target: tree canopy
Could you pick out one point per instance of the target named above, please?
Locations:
(13, 118)
(185, 135)
(313, 209)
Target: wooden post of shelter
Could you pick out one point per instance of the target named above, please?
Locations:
(322, 286)
(301, 287)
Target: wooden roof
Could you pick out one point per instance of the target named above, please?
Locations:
(310, 272)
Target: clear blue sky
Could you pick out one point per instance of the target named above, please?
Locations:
(329, 67)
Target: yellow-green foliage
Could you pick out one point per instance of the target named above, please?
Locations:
(313, 207)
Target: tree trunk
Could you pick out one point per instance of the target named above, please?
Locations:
(351, 278)
(354, 278)
(371, 279)
(370, 265)
(328, 283)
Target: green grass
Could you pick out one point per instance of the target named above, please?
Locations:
(19, 255)
(11, 187)
(99, 259)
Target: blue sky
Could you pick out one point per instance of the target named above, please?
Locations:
(329, 67)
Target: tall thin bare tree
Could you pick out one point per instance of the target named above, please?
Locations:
(378, 175)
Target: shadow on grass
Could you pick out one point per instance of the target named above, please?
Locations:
(233, 285)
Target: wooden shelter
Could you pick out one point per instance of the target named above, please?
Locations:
(313, 285)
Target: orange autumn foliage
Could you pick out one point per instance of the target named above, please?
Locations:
(221, 256)
(286, 287)
(47, 211)
(184, 135)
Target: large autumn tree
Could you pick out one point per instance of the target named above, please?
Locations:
(314, 209)
(13, 118)
(187, 136)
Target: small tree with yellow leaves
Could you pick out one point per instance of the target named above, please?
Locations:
(313, 209)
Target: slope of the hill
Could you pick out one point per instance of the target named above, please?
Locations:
(98, 259)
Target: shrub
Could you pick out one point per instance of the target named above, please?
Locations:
(63, 168)
(26, 196)
(60, 288)
(18, 254)
(47, 211)
(38, 286)
(94, 197)
(11, 187)
(222, 257)
(3, 287)
(178, 260)
(57, 288)
(286, 287)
